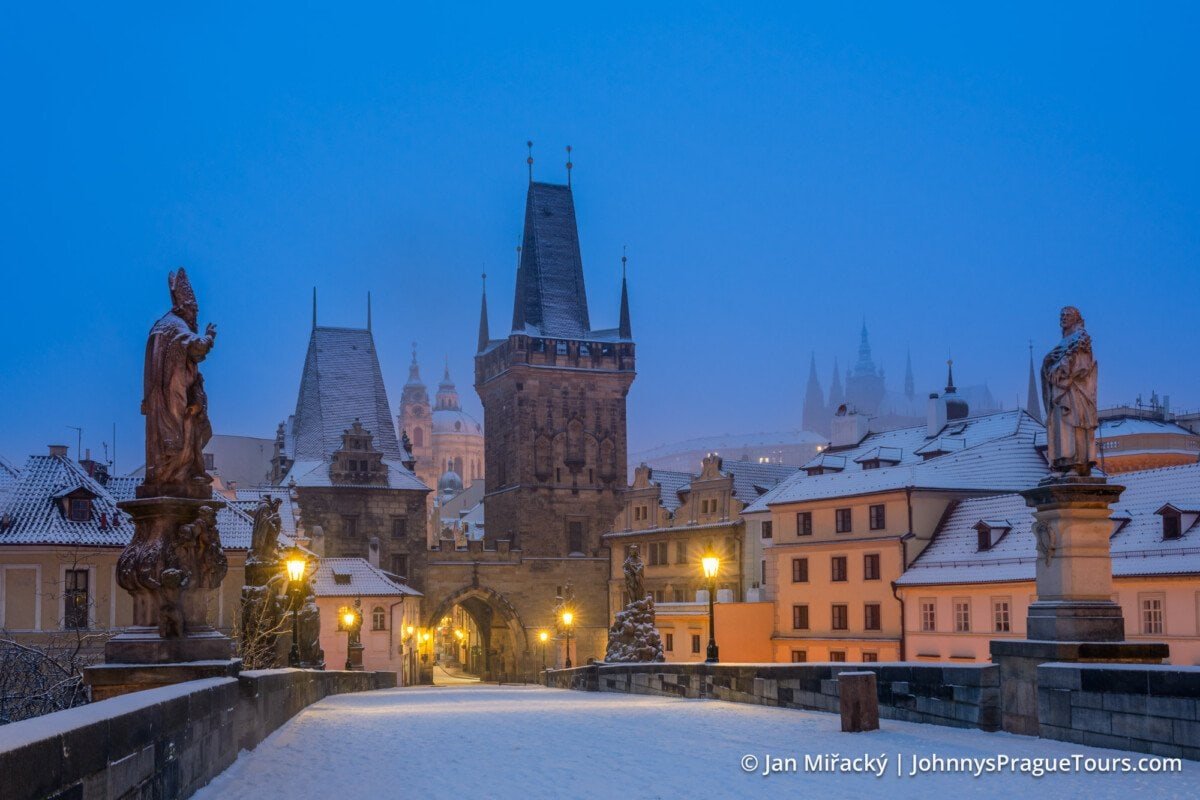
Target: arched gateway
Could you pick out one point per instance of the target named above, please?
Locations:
(494, 645)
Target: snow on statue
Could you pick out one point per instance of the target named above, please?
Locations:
(633, 636)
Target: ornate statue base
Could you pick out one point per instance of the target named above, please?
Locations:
(1074, 617)
(173, 581)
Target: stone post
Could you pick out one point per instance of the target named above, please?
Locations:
(859, 701)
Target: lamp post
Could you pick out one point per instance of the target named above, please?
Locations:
(542, 637)
(352, 621)
(711, 564)
(411, 653)
(567, 619)
(296, 564)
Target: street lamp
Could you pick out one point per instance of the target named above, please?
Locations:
(296, 563)
(542, 637)
(711, 564)
(567, 619)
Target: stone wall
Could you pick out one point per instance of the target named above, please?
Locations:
(966, 696)
(165, 742)
(1149, 709)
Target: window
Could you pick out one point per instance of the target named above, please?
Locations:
(1001, 615)
(799, 570)
(75, 599)
(800, 618)
(767, 530)
(378, 619)
(837, 568)
(928, 615)
(681, 552)
(659, 594)
(637, 513)
(837, 655)
(350, 527)
(840, 617)
(703, 506)
(962, 615)
(80, 510)
(399, 528)
(762, 572)
(1152, 614)
(799, 656)
(400, 564)
(872, 617)
(680, 595)
(871, 567)
(670, 641)
(804, 523)
(842, 520)
(575, 537)
(869, 658)
(984, 542)
(208, 461)
(1171, 526)
(878, 517)
(695, 643)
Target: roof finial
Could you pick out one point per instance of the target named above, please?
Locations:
(529, 160)
(368, 309)
(569, 165)
(624, 258)
(414, 351)
(950, 376)
(314, 308)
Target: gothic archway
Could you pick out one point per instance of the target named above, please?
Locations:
(503, 650)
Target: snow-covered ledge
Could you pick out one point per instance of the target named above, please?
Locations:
(165, 742)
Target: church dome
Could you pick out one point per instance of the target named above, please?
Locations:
(450, 483)
(452, 420)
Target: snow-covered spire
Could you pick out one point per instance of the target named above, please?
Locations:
(836, 394)
(414, 371)
(910, 389)
(1033, 402)
(865, 365)
(814, 400)
(484, 334)
(625, 330)
(950, 388)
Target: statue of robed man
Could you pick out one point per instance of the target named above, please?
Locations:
(175, 405)
(1069, 394)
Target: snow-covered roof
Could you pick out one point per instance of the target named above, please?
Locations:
(356, 577)
(730, 442)
(1138, 547)
(1130, 426)
(963, 463)
(341, 383)
(247, 500)
(35, 517)
(751, 479)
(670, 484)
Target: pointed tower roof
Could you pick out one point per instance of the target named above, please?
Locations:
(550, 296)
(814, 399)
(484, 333)
(910, 388)
(836, 394)
(414, 370)
(447, 394)
(624, 329)
(342, 382)
(1033, 400)
(865, 365)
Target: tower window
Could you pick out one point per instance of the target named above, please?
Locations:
(575, 537)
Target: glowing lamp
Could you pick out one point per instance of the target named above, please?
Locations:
(348, 618)
(296, 564)
(409, 630)
(543, 636)
(568, 618)
(711, 564)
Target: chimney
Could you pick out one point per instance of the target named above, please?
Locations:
(58, 450)
(373, 551)
(848, 427)
(936, 416)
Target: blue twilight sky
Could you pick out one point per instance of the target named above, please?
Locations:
(953, 175)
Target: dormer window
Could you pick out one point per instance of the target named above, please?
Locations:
(989, 532)
(1178, 519)
(80, 510)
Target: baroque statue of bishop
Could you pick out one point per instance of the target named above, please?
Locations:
(1069, 395)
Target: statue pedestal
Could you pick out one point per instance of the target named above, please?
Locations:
(172, 568)
(1075, 617)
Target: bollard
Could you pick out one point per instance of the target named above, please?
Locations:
(859, 701)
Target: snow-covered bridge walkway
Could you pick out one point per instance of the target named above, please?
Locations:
(510, 742)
